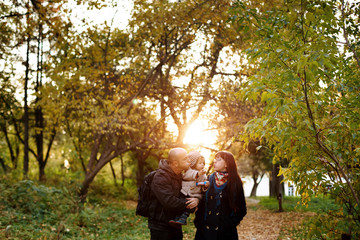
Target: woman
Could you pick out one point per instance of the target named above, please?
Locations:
(223, 206)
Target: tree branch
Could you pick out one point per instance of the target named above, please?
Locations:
(52, 138)
(14, 15)
(322, 145)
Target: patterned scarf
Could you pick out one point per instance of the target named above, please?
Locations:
(221, 178)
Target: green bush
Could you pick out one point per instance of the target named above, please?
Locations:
(32, 211)
(330, 222)
(36, 200)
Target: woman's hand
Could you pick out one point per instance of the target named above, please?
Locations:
(192, 202)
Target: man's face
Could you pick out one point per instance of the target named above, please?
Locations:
(184, 161)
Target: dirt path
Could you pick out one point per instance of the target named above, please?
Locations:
(263, 224)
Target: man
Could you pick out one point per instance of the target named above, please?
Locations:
(168, 201)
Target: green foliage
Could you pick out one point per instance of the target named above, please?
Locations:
(328, 223)
(105, 188)
(31, 211)
(319, 226)
(32, 199)
(307, 83)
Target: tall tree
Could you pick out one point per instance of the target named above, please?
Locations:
(8, 106)
(309, 81)
(230, 117)
(46, 31)
(187, 42)
(26, 107)
(97, 92)
(257, 162)
(33, 24)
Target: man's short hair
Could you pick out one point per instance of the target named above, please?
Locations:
(173, 154)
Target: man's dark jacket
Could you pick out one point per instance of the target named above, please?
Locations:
(168, 202)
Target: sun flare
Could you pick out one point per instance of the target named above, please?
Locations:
(199, 136)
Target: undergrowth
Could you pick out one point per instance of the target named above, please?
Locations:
(32, 211)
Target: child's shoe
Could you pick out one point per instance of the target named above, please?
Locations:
(179, 220)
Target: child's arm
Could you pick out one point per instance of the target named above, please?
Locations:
(203, 182)
(190, 175)
(204, 185)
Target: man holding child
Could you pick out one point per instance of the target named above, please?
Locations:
(169, 202)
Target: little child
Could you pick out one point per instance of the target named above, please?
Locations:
(193, 180)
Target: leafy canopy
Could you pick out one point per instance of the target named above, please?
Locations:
(308, 80)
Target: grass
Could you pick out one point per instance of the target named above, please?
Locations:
(317, 204)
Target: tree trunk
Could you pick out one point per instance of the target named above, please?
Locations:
(140, 172)
(42, 177)
(85, 188)
(182, 129)
(122, 171)
(93, 169)
(3, 164)
(39, 138)
(254, 188)
(113, 173)
(17, 150)
(163, 115)
(276, 186)
(181, 135)
(256, 183)
(42, 164)
(39, 118)
(12, 155)
(272, 183)
(108, 153)
(90, 176)
(141, 165)
(280, 198)
(26, 112)
(82, 163)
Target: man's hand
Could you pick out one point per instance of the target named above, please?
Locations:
(192, 202)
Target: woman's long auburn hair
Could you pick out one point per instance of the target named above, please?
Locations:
(234, 183)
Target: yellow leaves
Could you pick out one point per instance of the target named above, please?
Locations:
(283, 171)
(267, 95)
(305, 198)
(310, 16)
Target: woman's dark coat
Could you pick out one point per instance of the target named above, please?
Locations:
(217, 222)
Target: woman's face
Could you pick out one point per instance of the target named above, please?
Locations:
(219, 164)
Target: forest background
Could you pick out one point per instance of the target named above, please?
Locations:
(88, 109)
